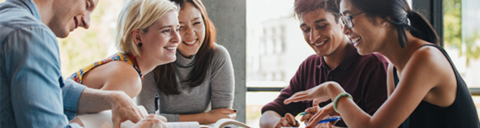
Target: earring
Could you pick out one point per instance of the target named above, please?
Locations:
(384, 24)
(139, 44)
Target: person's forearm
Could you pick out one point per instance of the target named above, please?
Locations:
(93, 100)
(350, 112)
(269, 119)
(333, 89)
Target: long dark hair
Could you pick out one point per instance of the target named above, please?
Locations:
(398, 13)
(165, 74)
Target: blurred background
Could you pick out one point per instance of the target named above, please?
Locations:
(275, 46)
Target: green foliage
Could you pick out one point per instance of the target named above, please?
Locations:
(453, 31)
(83, 47)
(78, 51)
(453, 23)
(472, 51)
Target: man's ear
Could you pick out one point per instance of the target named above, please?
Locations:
(137, 37)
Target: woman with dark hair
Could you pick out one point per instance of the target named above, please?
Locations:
(199, 85)
(424, 87)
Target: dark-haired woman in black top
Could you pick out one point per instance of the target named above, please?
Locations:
(424, 87)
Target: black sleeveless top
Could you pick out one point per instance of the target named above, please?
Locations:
(461, 114)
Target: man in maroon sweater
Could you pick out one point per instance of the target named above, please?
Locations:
(336, 59)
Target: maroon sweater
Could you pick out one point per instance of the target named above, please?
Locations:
(364, 77)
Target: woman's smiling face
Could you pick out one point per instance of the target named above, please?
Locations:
(366, 35)
(192, 30)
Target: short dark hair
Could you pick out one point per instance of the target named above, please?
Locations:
(305, 6)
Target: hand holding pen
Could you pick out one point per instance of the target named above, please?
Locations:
(309, 113)
(317, 113)
(324, 111)
(335, 118)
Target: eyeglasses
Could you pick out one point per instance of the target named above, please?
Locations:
(347, 20)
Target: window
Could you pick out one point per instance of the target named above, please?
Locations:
(462, 40)
(83, 47)
(275, 49)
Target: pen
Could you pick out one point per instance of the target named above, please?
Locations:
(335, 118)
(330, 119)
(303, 113)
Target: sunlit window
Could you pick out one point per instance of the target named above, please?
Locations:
(275, 49)
(84, 46)
(462, 39)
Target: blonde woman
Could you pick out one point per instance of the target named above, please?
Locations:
(147, 36)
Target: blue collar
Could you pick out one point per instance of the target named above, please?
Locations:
(29, 5)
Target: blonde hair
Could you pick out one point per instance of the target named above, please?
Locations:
(138, 15)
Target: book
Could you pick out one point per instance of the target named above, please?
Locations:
(222, 123)
(229, 123)
(104, 120)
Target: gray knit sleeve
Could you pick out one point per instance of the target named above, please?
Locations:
(222, 80)
(171, 117)
(147, 95)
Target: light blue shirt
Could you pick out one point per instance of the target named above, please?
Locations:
(32, 91)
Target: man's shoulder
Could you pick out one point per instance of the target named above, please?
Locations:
(373, 60)
(314, 58)
(374, 57)
(15, 18)
(310, 63)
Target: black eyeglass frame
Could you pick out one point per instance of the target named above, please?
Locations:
(344, 20)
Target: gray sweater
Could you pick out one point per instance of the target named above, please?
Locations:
(215, 92)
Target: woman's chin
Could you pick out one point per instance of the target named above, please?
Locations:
(172, 59)
(168, 60)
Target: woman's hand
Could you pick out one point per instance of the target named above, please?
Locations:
(217, 114)
(321, 113)
(319, 93)
(317, 112)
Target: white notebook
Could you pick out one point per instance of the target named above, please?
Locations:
(104, 120)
